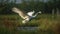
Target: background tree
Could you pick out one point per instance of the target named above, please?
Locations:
(28, 5)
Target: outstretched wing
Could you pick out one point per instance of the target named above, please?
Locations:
(21, 13)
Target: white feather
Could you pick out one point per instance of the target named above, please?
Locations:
(24, 16)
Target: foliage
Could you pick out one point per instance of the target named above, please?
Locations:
(6, 6)
(47, 24)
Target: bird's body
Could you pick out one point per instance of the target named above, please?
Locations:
(26, 16)
(31, 13)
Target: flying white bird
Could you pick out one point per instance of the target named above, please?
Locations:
(26, 16)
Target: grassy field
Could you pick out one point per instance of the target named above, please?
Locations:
(48, 24)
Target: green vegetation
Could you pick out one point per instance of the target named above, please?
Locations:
(48, 21)
(47, 24)
(52, 6)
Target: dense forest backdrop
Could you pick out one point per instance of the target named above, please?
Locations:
(49, 7)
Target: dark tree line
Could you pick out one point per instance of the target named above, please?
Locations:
(50, 7)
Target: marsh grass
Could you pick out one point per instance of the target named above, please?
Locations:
(47, 24)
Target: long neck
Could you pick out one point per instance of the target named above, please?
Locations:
(35, 15)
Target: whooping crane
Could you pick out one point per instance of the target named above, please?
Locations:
(26, 16)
